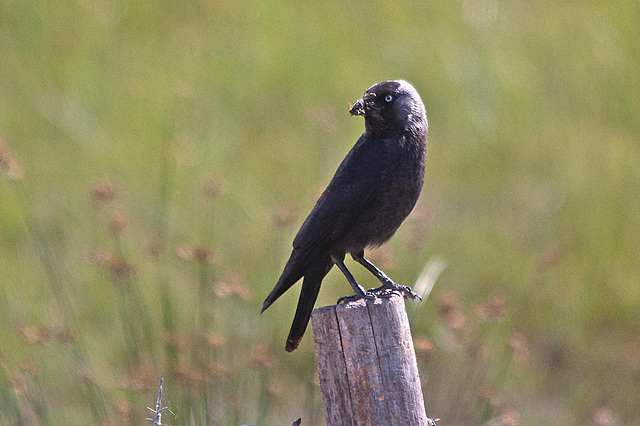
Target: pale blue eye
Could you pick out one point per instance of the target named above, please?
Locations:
(388, 98)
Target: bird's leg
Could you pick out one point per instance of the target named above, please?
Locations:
(388, 287)
(360, 292)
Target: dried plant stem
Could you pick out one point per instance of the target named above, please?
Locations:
(157, 412)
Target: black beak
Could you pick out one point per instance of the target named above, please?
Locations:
(357, 108)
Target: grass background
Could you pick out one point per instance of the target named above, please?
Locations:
(158, 158)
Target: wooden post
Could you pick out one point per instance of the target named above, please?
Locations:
(366, 364)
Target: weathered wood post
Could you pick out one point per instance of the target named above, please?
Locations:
(366, 364)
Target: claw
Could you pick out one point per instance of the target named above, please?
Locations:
(368, 295)
(390, 288)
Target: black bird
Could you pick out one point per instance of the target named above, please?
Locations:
(373, 191)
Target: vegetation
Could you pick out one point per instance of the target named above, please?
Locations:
(157, 158)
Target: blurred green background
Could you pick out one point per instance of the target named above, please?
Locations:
(157, 159)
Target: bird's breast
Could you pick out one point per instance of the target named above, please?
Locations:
(399, 184)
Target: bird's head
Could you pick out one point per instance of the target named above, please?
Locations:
(391, 105)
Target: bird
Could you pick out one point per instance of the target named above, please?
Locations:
(372, 192)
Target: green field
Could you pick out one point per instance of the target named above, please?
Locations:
(157, 158)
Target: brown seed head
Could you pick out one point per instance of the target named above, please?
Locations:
(213, 187)
(156, 245)
(603, 416)
(383, 257)
(479, 350)
(416, 237)
(286, 215)
(40, 334)
(9, 164)
(262, 355)
(64, 336)
(188, 377)
(215, 339)
(203, 254)
(17, 384)
(141, 379)
(424, 348)
(185, 251)
(117, 267)
(450, 312)
(234, 283)
(520, 347)
(98, 257)
(509, 418)
(118, 223)
(418, 223)
(493, 309)
(123, 409)
(28, 367)
(276, 386)
(549, 258)
(102, 191)
(216, 369)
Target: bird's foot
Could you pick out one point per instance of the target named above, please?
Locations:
(368, 295)
(389, 288)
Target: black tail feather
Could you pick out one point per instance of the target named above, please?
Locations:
(308, 296)
(293, 271)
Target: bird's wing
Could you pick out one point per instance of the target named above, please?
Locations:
(353, 188)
